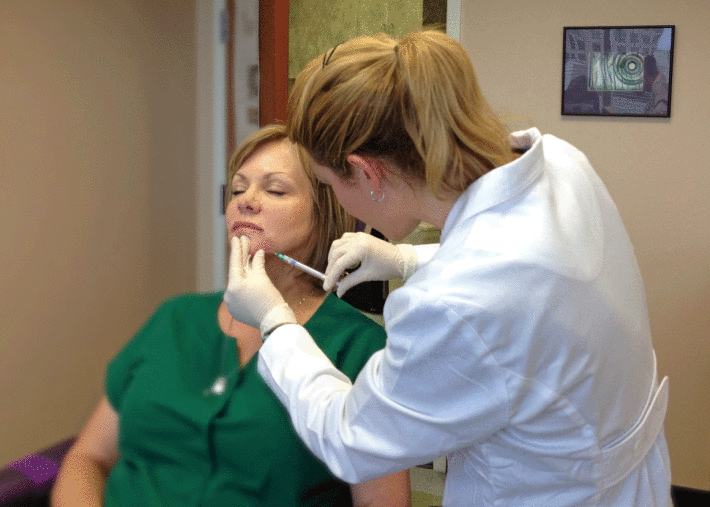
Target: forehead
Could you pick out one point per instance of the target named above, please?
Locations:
(272, 159)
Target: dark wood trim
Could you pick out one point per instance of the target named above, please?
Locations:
(273, 60)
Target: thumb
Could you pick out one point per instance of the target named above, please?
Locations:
(349, 282)
(257, 264)
(236, 265)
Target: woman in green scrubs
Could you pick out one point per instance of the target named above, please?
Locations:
(186, 419)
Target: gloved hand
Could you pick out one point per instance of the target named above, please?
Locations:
(378, 259)
(251, 298)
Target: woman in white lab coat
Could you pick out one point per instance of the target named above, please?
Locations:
(519, 347)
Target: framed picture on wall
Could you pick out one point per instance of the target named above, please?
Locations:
(617, 70)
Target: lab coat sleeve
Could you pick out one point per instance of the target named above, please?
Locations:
(435, 387)
(425, 253)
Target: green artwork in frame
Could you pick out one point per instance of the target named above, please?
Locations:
(317, 25)
(617, 70)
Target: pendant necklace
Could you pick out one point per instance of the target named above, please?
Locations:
(220, 384)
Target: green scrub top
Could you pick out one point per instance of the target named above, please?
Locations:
(180, 447)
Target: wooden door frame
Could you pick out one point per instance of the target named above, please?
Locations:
(273, 61)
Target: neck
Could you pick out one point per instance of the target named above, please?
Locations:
(288, 281)
(432, 210)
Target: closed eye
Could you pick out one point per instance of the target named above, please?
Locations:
(236, 192)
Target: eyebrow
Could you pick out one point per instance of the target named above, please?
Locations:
(267, 176)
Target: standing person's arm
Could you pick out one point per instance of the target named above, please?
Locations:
(83, 473)
(434, 388)
(389, 418)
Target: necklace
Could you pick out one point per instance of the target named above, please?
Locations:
(220, 384)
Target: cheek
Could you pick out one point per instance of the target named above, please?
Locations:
(348, 197)
(229, 213)
(295, 222)
(301, 221)
(358, 208)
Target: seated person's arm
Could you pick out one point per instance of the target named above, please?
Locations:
(83, 473)
(392, 490)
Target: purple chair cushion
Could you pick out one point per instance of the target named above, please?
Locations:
(27, 481)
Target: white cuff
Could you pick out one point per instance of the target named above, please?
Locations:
(277, 316)
(409, 260)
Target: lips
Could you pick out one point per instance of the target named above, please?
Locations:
(245, 225)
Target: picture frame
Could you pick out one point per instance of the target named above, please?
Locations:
(617, 70)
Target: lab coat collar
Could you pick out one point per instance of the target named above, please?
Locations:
(502, 183)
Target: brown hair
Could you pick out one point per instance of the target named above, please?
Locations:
(330, 220)
(415, 103)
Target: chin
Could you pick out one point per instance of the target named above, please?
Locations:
(257, 242)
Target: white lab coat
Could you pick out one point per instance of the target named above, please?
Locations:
(521, 349)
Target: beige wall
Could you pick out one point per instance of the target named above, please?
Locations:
(97, 204)
(656, 170)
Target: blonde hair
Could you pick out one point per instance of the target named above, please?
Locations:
(330, 220)
(414, 102)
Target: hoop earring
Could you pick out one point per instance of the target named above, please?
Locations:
(372, 194)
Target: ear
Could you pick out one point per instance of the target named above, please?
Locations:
(368, 171)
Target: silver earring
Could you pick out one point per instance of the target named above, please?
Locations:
(372, 194)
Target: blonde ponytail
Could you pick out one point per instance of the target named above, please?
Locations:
(415, 103)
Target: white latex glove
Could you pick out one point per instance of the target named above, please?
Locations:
(251, 298)
(378, 259)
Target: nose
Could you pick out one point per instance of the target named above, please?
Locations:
(248, 201)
